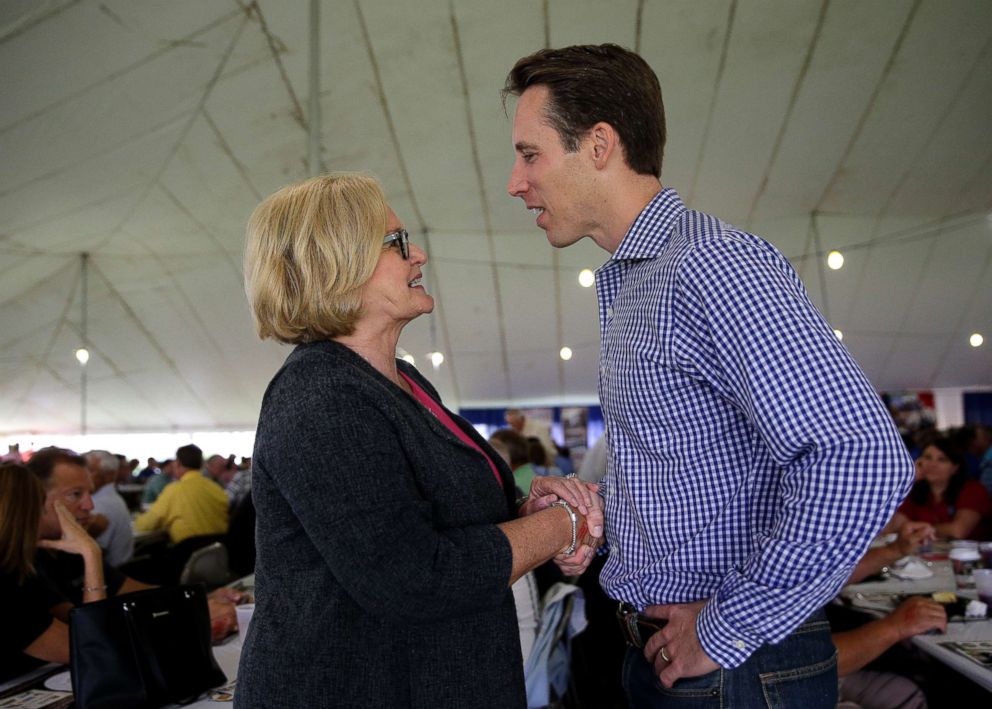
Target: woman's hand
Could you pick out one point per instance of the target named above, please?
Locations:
(75, 539)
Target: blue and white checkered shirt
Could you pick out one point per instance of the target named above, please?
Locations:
(751, 462)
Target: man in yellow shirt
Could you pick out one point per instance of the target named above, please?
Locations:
(191, 507)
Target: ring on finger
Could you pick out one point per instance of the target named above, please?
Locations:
(664, 655)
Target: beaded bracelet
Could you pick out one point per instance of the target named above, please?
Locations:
(575, 524)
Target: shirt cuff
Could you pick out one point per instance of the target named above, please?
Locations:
(726, 645)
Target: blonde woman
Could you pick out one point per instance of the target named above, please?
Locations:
(388, 533)
(31, 634)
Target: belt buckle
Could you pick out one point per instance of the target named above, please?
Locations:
(631, 622)
(627, 618)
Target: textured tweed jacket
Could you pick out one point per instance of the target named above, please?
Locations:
(381, 578)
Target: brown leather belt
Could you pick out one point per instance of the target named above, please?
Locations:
(636, 627)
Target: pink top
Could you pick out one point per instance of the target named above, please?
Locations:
(442, 416)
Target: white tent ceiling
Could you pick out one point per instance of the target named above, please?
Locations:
(144, 132)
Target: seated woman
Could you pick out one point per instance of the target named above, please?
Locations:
(387, 530)
(31, 634)
(943, 496)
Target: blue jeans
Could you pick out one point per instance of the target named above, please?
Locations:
(800, 672)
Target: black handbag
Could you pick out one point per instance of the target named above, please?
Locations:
(142, 650)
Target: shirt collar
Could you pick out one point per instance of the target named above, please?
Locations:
(650, 231)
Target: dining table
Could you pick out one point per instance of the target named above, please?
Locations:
(228, 655)
(967, 642)
(50, 686)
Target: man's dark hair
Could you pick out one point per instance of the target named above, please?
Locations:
(516, 445)
(592, 83)
(43, 462)
(190, 457)
(536, 453)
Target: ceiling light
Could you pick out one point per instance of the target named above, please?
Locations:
(565, 353)
(835, 260)
(408, 358)
(586, 278)
(839, 334)
(436, 359)
(976, 339)
(83, 355)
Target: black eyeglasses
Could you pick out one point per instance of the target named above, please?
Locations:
(401, 236)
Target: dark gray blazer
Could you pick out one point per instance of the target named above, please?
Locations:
(381, 578)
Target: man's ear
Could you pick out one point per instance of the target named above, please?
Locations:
(604, 143)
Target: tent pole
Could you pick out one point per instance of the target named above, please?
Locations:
(84, 262)
(313, 162)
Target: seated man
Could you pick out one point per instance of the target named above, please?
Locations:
(220, 469)
(65, 479)
(871, 689)
(193, 506)
(155, 483)
(859, 643)
(114, 535)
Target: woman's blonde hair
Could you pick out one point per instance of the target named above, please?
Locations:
(21, 498)
(310, 249)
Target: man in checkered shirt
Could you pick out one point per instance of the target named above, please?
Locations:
(751, 462)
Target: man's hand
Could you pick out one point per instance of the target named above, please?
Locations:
(545, 489)
(678, 639)
(223, 619)
(912, 535)
(917, 615)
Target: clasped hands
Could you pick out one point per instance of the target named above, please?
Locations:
(585, 501)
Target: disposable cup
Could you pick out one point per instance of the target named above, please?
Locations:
(244, 612)
(965, 562)
(985, 549)
(983, 585)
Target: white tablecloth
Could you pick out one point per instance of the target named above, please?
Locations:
(878, 596)
(227, 654)
(970, 631)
